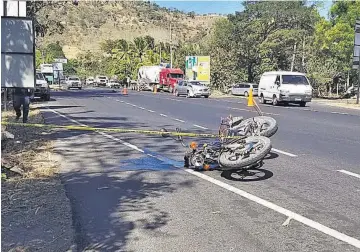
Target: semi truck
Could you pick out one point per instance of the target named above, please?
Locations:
(159, 76)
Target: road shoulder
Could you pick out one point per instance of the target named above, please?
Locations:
(36, 214)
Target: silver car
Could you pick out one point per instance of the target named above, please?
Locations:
(244, 89)
(191, 89)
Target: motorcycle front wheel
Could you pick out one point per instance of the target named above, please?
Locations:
(232, 159)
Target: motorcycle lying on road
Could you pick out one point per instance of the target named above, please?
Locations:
(242, 144)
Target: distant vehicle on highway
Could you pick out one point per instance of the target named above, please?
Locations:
(191, 89)
(73, 82)
(101, 80)
(244, 89)
(42, 88)
(285, 87)
(159, 76)
(168, 77)
(113, 84)
(90, 81)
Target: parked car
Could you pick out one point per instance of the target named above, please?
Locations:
(101, 80)
(244, 89)
(284, 87)
(90, 81)
(73, 82)
(113, 84)
(42, 88)
(191, 89)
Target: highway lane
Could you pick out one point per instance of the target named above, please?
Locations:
(304, 132)
(328, 198)
(317, 162)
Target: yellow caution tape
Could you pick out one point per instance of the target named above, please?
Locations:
(119, 130)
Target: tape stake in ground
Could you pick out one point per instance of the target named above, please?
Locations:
(119, 130)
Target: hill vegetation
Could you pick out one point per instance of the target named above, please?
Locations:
(84, 27)
(264, 36)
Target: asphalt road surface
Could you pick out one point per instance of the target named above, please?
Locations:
(129, 192)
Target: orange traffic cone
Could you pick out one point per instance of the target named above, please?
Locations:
(155, 89)
(125, 92)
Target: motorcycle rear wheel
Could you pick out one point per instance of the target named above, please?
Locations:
(269, 122)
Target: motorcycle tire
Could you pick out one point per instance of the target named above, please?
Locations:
(271, 122)
(227, 164)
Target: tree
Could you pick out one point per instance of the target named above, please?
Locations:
(140, 46)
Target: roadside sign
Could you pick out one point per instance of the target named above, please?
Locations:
(64, 61)
(57, 67)
(197, 68)
(356, 54)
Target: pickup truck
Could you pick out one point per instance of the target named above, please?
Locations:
(42, 88)
(73, 82)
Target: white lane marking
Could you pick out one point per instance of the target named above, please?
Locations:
(151, 111)
(141, 108)
(201, 127)
(308, 222)
(292, 215)
(350, 173)
(163, 115)
(99, 132)
(284, 152)
(340, 113)
(178, 120)
(68, 118)
(121, 141)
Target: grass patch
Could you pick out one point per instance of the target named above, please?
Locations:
(30, 151)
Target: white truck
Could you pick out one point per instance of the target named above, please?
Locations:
(148, 76)
(101, 80)
(47, 71)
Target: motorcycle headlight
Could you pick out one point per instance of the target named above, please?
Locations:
(193, 145)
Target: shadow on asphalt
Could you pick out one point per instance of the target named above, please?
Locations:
(104, 201)
(271, 155)
(113, 190)
(250, 175)
(62, 107)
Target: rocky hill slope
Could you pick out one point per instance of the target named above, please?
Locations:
(83, 27)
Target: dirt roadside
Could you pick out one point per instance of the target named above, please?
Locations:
(36, 214)
(342, 103)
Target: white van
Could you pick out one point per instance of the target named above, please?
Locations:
(284, 87)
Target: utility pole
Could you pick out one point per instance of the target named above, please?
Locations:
(160, 53)
(171, 55)
(358, 87)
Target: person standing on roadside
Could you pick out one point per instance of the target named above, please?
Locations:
(127, 81)
(21, 97)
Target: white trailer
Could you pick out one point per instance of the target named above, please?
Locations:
(148, 76)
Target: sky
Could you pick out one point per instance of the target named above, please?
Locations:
(220, 7)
